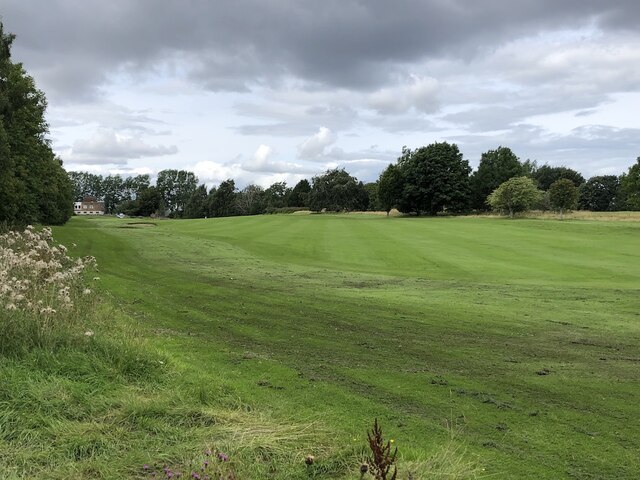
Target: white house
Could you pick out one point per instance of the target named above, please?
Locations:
(88, 206)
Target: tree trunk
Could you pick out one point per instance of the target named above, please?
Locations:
(510, 212)
(561, 214)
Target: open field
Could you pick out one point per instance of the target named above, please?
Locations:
(521, 338)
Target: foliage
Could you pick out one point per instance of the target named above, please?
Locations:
(222, 200)
(250, 201)
(563, 195)
(34, 187)
(176, 188)
(381, 459)
(600, 194)
(337, 191)
(113, 190)
(372, 193)
(496, 166)
(390, 187)
(630, 188)
(516, 195)
(546, 175)
(197, 206)
(436, 179)
(299, 196)
(276, 196)
(42, 293)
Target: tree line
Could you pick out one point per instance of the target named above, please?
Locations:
(430, 180)
(434, 179)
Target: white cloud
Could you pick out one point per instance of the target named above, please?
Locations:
(108, 147)
(314, 146)
(418, 93)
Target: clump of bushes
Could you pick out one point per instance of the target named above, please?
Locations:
(44, 297)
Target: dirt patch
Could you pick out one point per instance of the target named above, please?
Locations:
(138, 225)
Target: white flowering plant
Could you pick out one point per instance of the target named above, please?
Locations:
(44, 298)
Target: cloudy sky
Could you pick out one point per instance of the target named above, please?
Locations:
(263, 91)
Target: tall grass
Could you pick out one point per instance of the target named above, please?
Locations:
(44, 300)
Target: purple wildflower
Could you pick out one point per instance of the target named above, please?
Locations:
(145, 467)
(223, 457)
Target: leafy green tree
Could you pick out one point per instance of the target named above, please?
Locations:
(276, 196)
(250, 201)
(372, 193)
(222, 200)
(435, 178)
(197, 206)
(176, 188)
(149, 202)
(299, 196)
(563, 195)
(496, 166)
(337, 191)
(390, 186)
(133, 185)
(630, 188)
(600, 194)
(34, 188)
(516, 195)
(546, 175)
(112, 192)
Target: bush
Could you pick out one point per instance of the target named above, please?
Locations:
(43, 296)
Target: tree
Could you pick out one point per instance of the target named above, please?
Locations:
(546, 175)
(336, 191)
(197, 206)
(299, 196)
(34, 188)
(600, 194)
(372, 192)
(276, 196)
(250, 201)
(390, 185)
(516, 195)
(176, 187)
(496, 166)
(134, 185)
(630, 188)
(222, 200)
(149, 201)
(563, 195)
(435, 178)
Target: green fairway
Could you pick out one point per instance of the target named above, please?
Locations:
(519, 339)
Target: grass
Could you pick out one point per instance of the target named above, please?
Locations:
(286, 335)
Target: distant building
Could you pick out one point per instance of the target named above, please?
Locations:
(88, 206)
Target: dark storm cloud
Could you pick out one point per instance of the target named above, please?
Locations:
(74, 47)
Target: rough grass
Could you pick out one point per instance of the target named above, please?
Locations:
(522, 336)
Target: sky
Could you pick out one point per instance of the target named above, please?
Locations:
(280, 90)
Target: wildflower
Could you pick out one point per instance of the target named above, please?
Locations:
(86, 291)
(47, 311)
(95, 279)
(222, 457)
(207, 452)
(89, 333)
(364, 468)
(11, 306)
(309, 459)
(145, 466)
